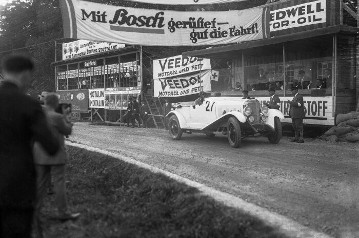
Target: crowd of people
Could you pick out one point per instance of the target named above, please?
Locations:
(32, 151)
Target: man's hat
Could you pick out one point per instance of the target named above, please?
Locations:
(295, 87)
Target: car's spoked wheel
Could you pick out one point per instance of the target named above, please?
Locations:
(234, 132)
(174, 128)
(275, 136)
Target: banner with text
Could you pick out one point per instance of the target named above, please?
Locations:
(97, 98)
(78, 99)
(318, 110)
(82, 48)
(183, 85)
(186, 2)
(177, 65)
(310, 13)
(136, 26)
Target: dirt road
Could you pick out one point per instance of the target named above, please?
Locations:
(315, 184)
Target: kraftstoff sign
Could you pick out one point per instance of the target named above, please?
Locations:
(183, 85)
(299, 15)
(136, 26)
(178, 65)
(318, 110)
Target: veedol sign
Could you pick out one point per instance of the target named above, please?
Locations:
(299, 15)
(178, 65)
(183, 86)
(135, 26)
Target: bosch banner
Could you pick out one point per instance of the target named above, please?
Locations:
(136, 26)
(186, 2)
(178, 65)
(183, 85)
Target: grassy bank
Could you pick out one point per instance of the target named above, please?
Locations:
(117, 199)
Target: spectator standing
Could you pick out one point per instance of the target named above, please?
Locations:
(21, 121)
(128, 116)
(297, 113)
(55, 165)
(136, 113)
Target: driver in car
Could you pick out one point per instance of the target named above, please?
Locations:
(199, 100)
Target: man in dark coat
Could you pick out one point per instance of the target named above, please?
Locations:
(21, 122)
(128, 116)
(135, 113)
(273, 100)
(297, 114)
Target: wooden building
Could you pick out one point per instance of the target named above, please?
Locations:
(313, 43)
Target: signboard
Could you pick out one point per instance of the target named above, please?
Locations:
(78, 99)
(183, 85)
(305, 14)
(318, 110)
(82, 48)
(186, 2)
(136, 26)
(118, 99)
(178, 65)
(97, 98)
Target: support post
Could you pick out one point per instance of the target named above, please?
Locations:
(141, 73)
(284, 72)
(334, 73)
(243, 80)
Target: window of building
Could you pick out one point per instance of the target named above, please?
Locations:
(128, 70)
(73, 77)
(61, 77)
(309, 65)
(97, 80)
(112, 72)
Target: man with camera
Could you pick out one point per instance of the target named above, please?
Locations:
(47, 165)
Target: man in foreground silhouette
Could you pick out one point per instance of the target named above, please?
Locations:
(22, 121)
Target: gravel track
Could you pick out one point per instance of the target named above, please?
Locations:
(315, 184)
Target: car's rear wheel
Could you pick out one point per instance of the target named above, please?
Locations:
(175, 128)
(276, 135)
(234, 132)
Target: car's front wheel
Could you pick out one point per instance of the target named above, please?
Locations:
(234, 132)
(175, 128)
(276, 135)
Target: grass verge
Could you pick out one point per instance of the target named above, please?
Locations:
(117, 199)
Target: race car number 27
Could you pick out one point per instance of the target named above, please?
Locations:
(210, 105)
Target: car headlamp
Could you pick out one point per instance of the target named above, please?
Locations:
(251, 119)
(265, 110)
(247, 111)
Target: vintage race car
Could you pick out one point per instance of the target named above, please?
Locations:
(233, 116)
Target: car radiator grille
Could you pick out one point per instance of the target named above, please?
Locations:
(254, 105)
